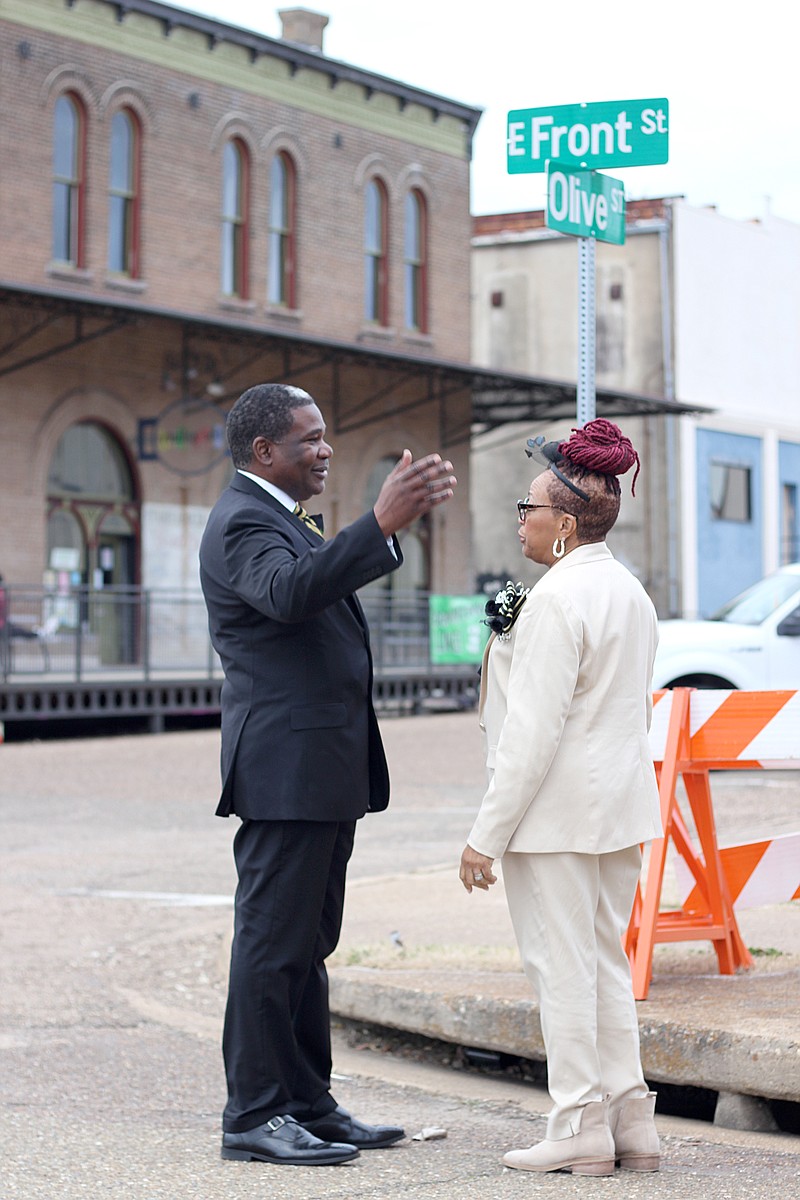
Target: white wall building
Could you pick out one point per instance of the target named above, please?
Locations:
(737, 350)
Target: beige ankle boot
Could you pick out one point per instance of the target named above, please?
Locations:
(636, 1142)
(588, 1152)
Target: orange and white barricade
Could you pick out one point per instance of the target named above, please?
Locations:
(692, 734)
(757, 873)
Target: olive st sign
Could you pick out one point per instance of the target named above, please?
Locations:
(614, 133)
(585, 204)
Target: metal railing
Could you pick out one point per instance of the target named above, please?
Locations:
(131, 632)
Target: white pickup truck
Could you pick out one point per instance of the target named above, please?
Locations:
(752, 643)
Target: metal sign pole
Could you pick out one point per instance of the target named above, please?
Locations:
(586, 331)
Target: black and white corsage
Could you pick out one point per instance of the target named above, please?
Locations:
(502, 612)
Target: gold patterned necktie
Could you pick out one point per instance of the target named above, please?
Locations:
(300, 512)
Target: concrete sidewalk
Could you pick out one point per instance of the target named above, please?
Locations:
(732, 1034)
(417, 953)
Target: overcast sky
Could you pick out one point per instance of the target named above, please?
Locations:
(728, 69)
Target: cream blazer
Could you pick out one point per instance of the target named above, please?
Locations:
(566, 713)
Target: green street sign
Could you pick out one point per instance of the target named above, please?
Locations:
(616, 133)
(585, 204)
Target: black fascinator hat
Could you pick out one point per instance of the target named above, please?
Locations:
(547, 454)
(599, 446)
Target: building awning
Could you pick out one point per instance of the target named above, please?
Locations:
(498, 397)
(502, 399)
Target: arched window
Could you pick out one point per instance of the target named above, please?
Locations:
(376, 242)
(281, 273)
(415, 541)
(94, 521)
(89, 461)
(400, 595)
(123, 194)
(415, 262)
(235, 216)
(90, 484)
(69, 184)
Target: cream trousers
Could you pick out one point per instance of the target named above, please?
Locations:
(569, 913)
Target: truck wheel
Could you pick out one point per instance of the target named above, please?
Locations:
(703, 681)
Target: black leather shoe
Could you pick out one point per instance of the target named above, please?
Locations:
(339, 1124)
(282, 1140)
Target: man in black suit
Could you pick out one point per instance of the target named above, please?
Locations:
(302, 758)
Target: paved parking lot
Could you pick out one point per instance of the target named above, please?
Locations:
(115, 889)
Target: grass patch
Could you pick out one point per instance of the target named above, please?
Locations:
(388, 957)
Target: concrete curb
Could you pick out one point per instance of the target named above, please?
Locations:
(672, 1052)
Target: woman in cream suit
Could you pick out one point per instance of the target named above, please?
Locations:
(572, 795)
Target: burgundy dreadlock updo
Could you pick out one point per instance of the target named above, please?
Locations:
(584, 470)
(601, 447)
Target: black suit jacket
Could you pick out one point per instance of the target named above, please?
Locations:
(300, 740)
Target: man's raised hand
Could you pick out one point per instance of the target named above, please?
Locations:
(411, 489)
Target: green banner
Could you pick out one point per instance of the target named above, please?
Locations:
(457, 632)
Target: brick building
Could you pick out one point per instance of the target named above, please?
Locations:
(187, 208)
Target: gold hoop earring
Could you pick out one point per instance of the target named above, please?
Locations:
(559, 547)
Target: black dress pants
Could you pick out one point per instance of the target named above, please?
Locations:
(288, 915)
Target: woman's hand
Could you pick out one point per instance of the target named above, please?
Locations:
(476, 870)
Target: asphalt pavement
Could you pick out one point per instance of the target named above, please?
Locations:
(115, 912)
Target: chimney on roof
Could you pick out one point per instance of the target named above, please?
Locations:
(303, 27)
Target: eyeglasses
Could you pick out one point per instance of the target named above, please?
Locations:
(524, 507)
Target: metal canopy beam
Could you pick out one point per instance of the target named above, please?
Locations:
(498, 397)
(80, 336)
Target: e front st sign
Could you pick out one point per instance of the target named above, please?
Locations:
(615, 133)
